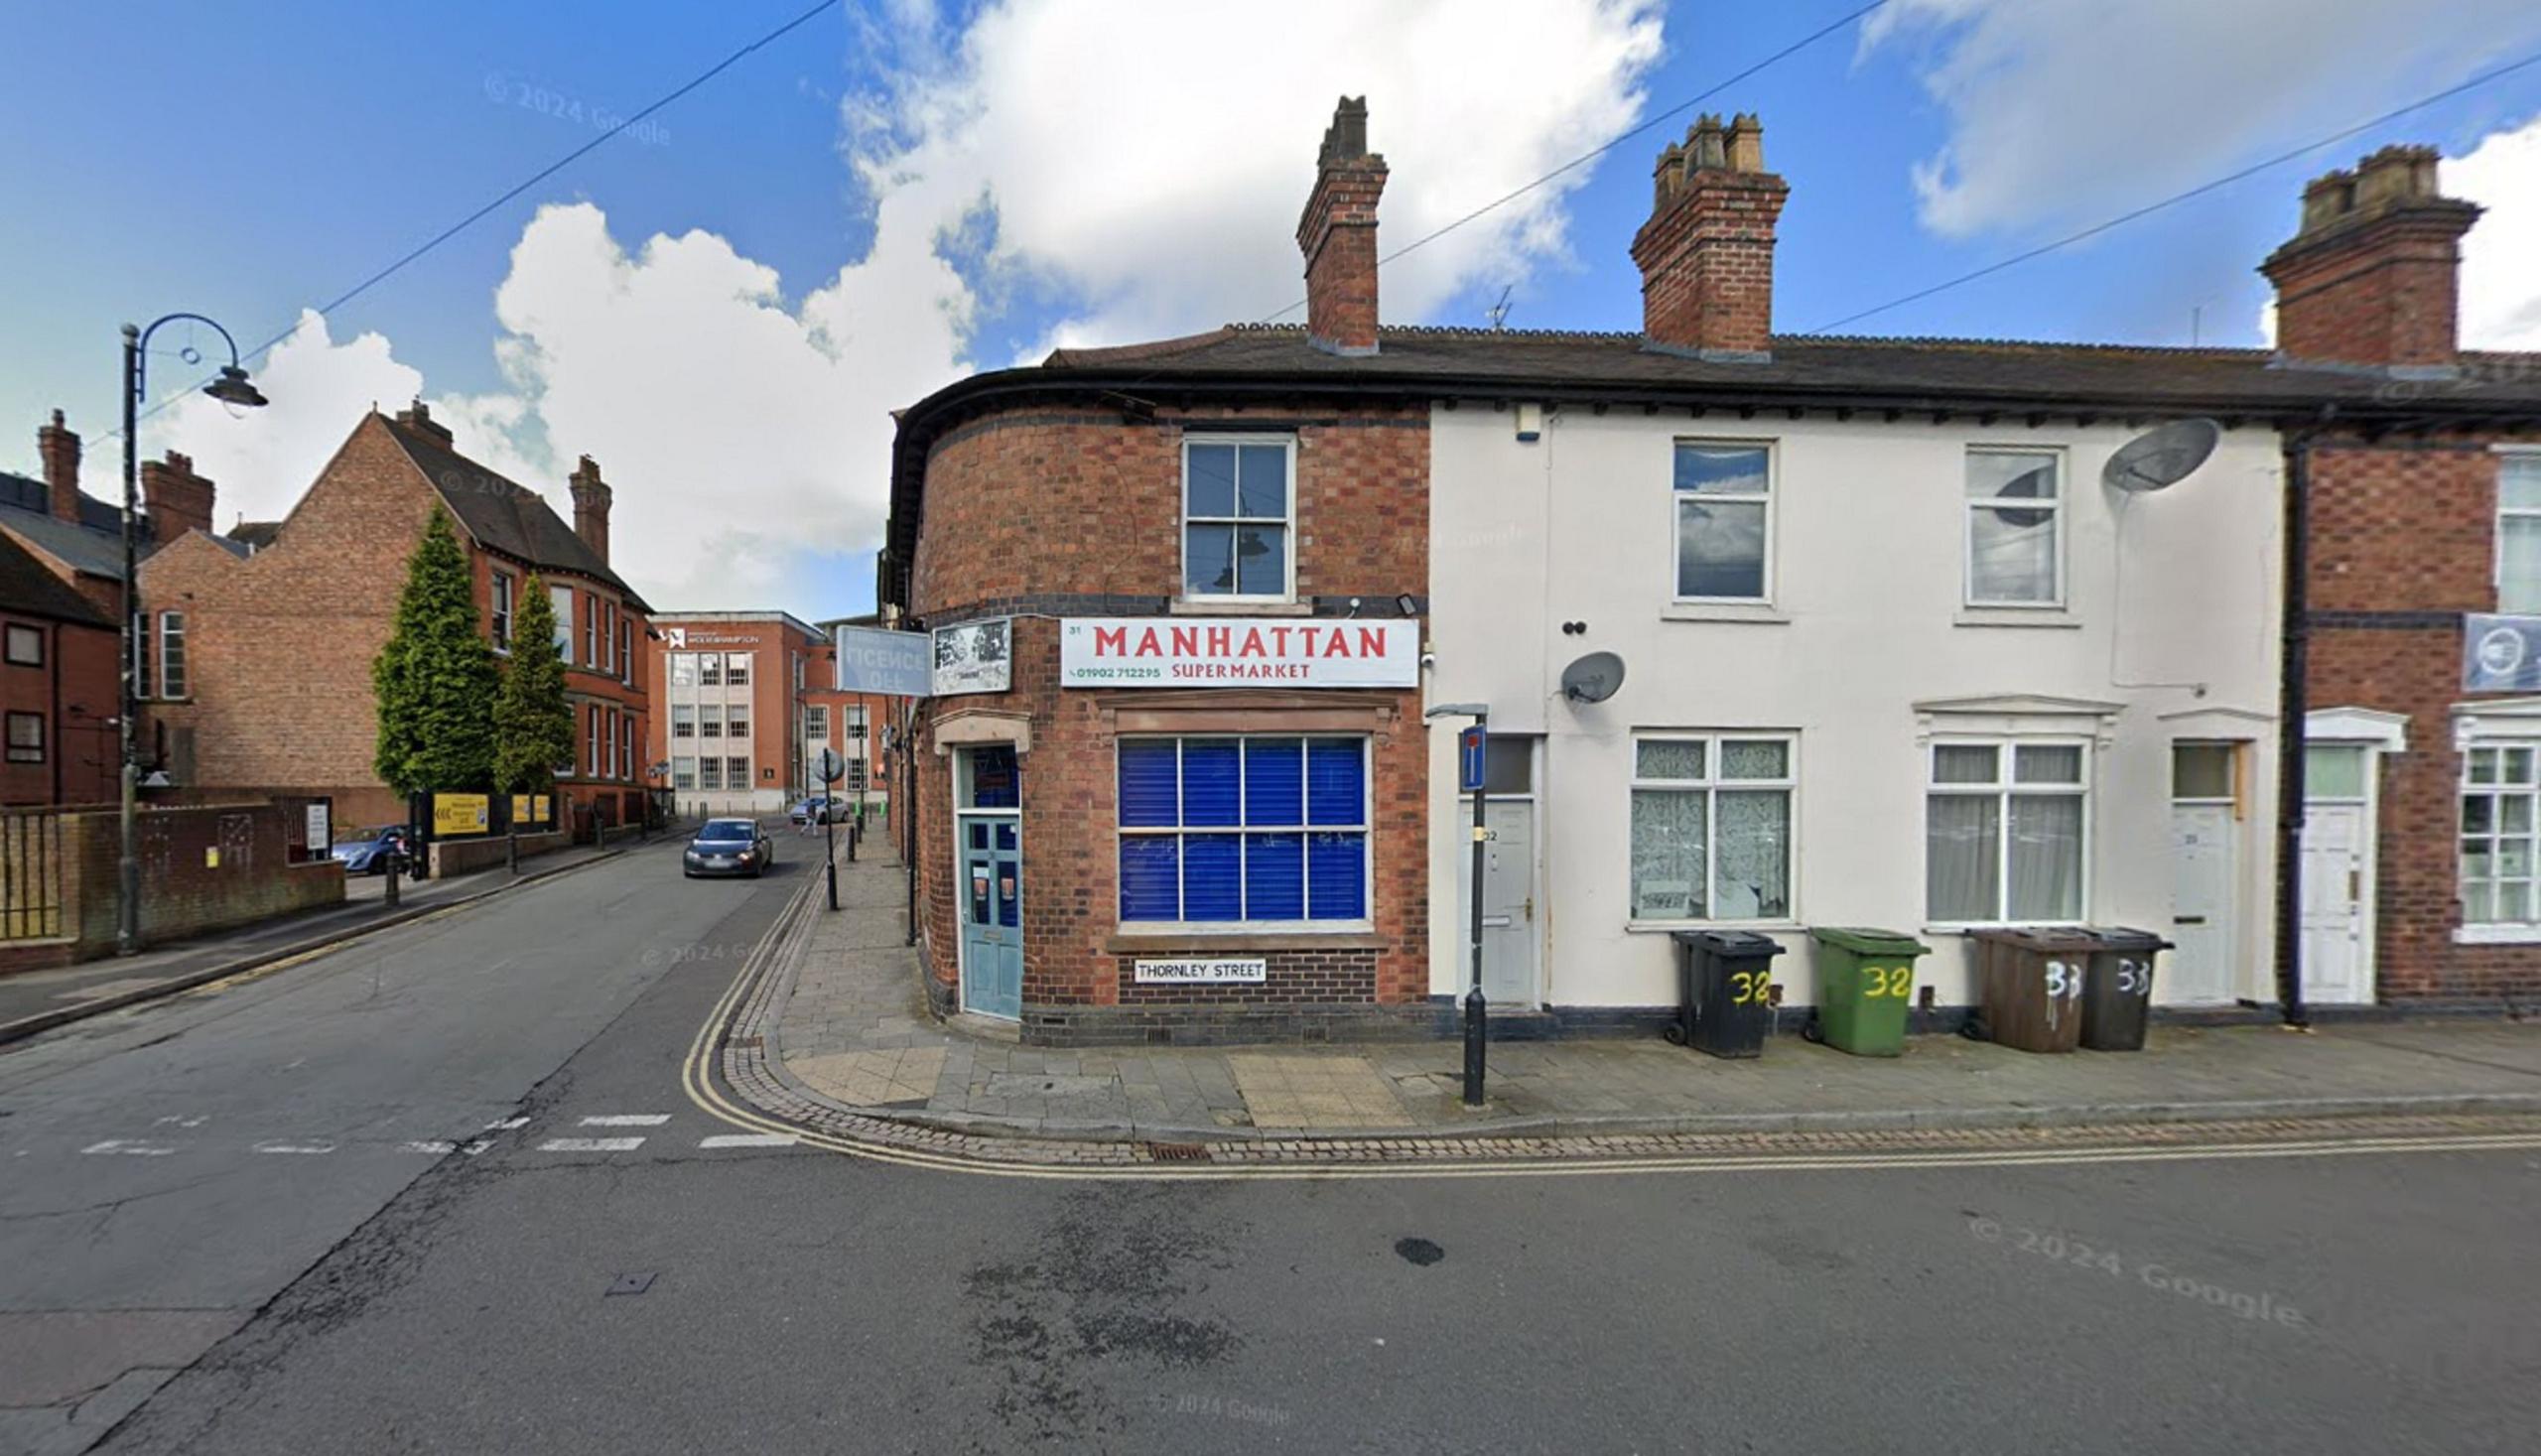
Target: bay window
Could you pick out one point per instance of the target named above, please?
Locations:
(2005, 827)
(1712, 819)
(1247, 833)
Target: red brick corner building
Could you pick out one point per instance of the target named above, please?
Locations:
(2422, 790)
(1175, 790)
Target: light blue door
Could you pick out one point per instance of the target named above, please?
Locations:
(991, 916)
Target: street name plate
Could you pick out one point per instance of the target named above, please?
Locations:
(1220, 972)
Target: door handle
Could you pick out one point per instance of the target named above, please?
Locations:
(1530, 909)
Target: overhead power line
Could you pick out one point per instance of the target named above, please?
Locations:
(2175, 198)
(1584, 158)
(524, 184)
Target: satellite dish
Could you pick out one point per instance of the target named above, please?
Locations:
(1593, 678)
(2160, 457)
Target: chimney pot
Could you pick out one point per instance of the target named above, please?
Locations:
(591, 499)
(1706, 254)
(418, 417)
(176, 499)
(2371, 277)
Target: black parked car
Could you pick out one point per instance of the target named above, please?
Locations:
(729, 847)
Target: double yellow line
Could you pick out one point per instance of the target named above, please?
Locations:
(792, 926)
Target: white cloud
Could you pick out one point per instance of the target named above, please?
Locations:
(1144, 165)
(2060, 110)
(2501, 258)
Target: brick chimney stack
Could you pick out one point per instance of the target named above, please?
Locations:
(1706, 254)
(1338, 234)
(418, 417)
(61, 450)
(2374, 277)
(591, 507)
(176, 499)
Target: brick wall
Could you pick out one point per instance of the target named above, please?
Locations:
(1081, 506)
(184, 891)
(2403, 542)
(75, 691)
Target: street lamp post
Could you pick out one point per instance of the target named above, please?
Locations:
(231, 387)
(1477, 1011)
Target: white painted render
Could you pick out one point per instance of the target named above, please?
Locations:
(1865, 653)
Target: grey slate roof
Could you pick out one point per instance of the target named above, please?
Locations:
(503, 515)
(94, 546)
(26, 586)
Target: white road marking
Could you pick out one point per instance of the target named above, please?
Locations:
(590, 1144)
(475, 1147)
(129, 1148)
(181, 1121)
(629, 1119)
(748, 1140)
(506, 1125)
(428, 1146)
(307, 1147)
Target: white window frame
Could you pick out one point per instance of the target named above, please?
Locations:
(816, 721)
(591, 740)
(684, 773)
(710, 714)
(2004, 789)
(183, 682)
(1366, 829)
(684, 723)
(1710, 786)
(2054, 507)
(2508, 459)
(1676, 507)
(560, 600)
(710, 766)
(736, 720)
(1185, 520)
(748, 669)
(747, 763)
(499, 609)
(2494, 929)
(29, 752)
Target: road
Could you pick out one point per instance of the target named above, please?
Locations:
(598, 1278)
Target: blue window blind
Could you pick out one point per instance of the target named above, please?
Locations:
(1244, 830)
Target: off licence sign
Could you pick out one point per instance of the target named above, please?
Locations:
(1238, 652)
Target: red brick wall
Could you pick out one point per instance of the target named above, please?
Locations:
(75, 691)
(1707, 264)
(2384, 293)
(1066, 513)
(182, 892)
(2403, 541)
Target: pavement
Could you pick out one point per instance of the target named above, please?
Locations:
(449, 1189)
(37, 1000)
(844, 1035)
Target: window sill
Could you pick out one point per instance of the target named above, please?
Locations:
(1671, 927)
(1155, 943)
(1974, 927)
(2015, 616)
(1210, 606)
(1723, 611)
(2497, 935)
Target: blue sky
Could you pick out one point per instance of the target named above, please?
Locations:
(896, 193)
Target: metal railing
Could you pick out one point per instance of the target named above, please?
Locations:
(31, 874)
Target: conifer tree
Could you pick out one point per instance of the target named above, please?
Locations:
(533, 723)
(436, 679)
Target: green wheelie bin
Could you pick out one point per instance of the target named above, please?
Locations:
(1865, 984)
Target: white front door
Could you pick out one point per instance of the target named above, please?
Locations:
(2337, 961)
(2203, 927)
(1510, 931)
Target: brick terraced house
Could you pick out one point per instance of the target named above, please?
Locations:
(59, 682)
(2422, 606)
(257, 667)
(1899, 651)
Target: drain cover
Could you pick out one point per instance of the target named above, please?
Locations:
(631, 1284)
(1177, 1153)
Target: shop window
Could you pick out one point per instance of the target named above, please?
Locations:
(2015, 550)
(2005, 833)
(1244, 832)
(1724, 522)
(2499, 795)
(1237, 517)
(1711, 827)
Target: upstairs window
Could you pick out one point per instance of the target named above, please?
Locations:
(816, 720)
(2519, 534)
(710, 669)
(710, 719)
(25, 646)
(2015, 526)
(590, 631)
(736, 720)
(502, 611)
(1237, 517)
(172, 654)
(562, 600)
(683, 668)
(1724, 522)
(736, 670)
(1244, 832)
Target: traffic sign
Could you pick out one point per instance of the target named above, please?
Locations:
(827, 767)
(1469, 755)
